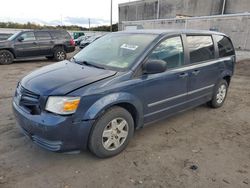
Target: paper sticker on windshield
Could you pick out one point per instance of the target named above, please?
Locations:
(129, 46)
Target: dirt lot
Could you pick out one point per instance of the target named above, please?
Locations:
(165, 154)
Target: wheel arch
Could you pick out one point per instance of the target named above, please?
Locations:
(228, 79)
(131, 109)
(10, 50)
(227, 75)
(59, 46)
(125, 100)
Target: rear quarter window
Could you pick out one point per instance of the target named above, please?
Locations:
(60, 35)
(201, 48)
(225, 46)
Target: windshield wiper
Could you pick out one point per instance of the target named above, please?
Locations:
(87, 63)
(91, 64)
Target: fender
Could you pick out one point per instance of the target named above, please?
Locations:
(228, 68)
(222, 75)
(112, 99)
(229, 65)
(225, 73)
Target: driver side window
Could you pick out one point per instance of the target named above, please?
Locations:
(29, 36)
(170, 51)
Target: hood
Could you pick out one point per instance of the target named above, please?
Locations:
(63, 77)
(4, 43)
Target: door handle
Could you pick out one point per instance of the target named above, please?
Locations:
(183, 75)
(196, 72)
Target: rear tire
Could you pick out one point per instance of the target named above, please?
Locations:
(219, 96)
(6, 57)
(60, 54)
(111, 132)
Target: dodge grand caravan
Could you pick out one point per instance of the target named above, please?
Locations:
(119, 83)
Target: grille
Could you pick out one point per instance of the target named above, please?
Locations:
(28, 100)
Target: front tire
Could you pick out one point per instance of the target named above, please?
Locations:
(219, 95)
(111, 132)
(6, 57)
(60, 54)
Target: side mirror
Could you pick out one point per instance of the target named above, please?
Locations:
(153, 66)
(20, 39)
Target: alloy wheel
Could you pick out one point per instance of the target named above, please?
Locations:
(115, 133)
(221, 94)
(5, 58)
(60, 55)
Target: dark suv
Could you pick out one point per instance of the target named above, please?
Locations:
(54, 44)
(122, 82)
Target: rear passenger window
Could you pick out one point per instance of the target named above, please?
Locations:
(224, 45)
(170, 51)
(42, 35)
(201, 48)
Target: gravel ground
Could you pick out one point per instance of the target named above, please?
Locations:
(202, 147)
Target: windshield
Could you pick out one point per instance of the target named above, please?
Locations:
(116, 50)
(14, 36)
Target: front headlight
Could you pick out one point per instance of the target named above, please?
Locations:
(62, 105)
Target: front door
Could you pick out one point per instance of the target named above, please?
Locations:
(165, 93)
(27, 47)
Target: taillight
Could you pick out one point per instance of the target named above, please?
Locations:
(72, 42)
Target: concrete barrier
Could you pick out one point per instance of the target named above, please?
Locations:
(237, 26)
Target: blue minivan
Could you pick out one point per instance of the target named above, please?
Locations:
(122, 82)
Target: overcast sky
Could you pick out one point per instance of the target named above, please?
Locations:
(53, 12)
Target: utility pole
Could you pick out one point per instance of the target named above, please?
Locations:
(89, 24)
(61, 20)
(111, 15)
(223, 7)
(158, 9)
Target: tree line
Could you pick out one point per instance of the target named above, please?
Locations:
(30, 25)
